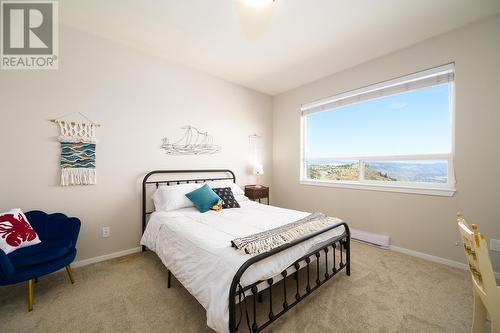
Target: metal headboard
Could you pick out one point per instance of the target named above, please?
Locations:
(146, 182)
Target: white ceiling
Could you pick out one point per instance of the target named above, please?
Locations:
(276, 48)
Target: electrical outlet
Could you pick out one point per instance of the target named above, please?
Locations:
(494, 245)
(106, 232)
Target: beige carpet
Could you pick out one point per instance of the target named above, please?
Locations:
(386, 292)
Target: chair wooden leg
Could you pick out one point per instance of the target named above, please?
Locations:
(29, 293)
(495, 322)
(169, 279)
(70, 274)
(479, 316)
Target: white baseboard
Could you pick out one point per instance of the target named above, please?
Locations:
(369, 237)
(412, 253)
(439, 260)
(94, 260)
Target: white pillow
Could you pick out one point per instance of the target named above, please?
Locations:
(174, 196)
(226, 183)
(15, 231)
(241, 198)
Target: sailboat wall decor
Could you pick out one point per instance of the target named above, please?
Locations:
(193, 142)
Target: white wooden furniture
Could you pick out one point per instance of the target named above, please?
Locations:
(486, 293)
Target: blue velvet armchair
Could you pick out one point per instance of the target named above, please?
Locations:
(58, 234)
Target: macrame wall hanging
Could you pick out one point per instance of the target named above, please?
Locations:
(78, 143)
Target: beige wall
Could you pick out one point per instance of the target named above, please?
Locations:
(417, 222)
(138, 100)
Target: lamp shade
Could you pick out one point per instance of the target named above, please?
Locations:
(258, 169)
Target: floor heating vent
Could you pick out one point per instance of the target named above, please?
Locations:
(371, 238)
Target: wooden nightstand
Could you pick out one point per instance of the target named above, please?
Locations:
(257, 193)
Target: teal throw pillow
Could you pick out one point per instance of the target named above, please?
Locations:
(203, 198)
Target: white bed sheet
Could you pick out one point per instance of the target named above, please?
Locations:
(196, 247)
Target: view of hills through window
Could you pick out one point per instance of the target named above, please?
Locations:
(404, 137)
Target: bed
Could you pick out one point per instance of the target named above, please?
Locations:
(196, 248)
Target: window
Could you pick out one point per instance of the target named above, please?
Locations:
(392, 136)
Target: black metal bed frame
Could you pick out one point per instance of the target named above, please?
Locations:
(237, 293)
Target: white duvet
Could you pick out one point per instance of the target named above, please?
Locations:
(196, 247)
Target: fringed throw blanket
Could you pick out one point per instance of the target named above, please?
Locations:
(77, 153)
(270, 239)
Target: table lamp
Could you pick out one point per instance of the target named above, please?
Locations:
(258, 171)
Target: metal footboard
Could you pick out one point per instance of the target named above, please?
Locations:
(338, 247)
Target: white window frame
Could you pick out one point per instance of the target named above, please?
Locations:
(445, 189)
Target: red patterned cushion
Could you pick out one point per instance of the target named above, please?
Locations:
(15, 231)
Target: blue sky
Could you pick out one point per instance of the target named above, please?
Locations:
(417, 122)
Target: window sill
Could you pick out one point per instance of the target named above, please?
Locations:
(435, 191)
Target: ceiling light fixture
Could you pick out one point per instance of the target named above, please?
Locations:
(258, 3)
